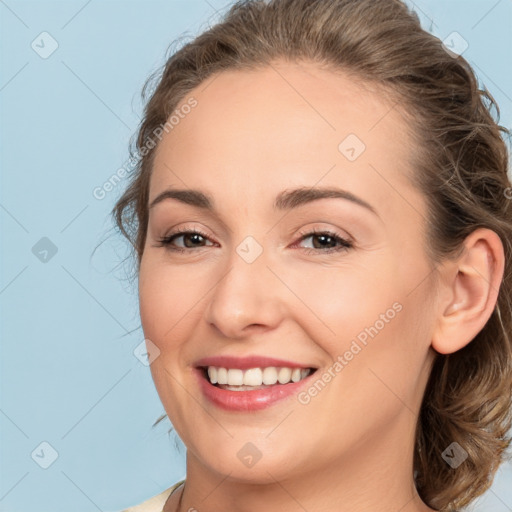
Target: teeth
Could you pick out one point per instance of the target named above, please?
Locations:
(269, 375)
(235, 377)
(296, 375)
(284, 375)
(256, 376)
(253, 377)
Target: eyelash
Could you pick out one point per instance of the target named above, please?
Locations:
(345, 244)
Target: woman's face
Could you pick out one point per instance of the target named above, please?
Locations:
(354, 300)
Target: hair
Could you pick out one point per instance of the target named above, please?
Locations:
(460, 165)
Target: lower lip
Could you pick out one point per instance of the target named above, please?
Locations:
(252, 400)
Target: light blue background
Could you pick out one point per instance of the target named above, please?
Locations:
(69, 327)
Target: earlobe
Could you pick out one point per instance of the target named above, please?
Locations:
(470, 288)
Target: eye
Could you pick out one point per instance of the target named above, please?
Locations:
(194, 236)
(327, 242)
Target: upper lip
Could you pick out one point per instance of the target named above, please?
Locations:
(244, 363)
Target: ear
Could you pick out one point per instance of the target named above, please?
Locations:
(468, 291)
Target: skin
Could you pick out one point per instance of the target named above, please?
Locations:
(252, 135)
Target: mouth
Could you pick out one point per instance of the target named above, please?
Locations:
(250, 383)
(251, 379)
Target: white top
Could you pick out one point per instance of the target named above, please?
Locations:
(156, 503)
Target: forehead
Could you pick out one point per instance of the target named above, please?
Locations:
(286, 123)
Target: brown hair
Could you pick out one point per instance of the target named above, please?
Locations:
(460, 166)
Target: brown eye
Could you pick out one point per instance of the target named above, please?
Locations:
(326, 241)
(191, 239)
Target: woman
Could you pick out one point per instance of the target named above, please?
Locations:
(322, 226)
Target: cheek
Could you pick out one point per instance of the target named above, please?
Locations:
(166, 302)
(346, 299)
(375, 316)
(392, 363)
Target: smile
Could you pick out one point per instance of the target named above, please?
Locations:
(250, 389)
(236, 379)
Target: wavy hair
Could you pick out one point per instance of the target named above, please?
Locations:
(460, 165)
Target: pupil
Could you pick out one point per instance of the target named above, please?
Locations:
(324, 237)
(195, 237)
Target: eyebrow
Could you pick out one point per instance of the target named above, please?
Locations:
(285, 200)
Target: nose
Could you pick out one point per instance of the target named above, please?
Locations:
(247, 299)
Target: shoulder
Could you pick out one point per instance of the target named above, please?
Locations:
(156, 503)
